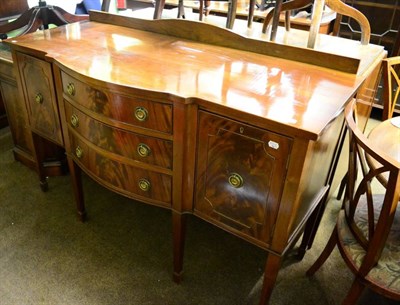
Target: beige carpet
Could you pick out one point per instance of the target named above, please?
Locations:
(123, 253)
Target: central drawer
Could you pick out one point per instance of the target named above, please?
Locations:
(124, 178)
(128, 110)
(127, 144)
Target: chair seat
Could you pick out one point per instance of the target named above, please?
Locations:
(386, 274)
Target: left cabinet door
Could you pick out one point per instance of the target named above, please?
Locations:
(38, 87)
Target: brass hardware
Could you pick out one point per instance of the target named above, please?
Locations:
(74, 120)
(71, 89)
(235, 180)
(143, 150)
(79, 152)
(141, 114)
(273, 144)
(144, 185)
(39, 98)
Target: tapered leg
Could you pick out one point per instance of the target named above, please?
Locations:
(252, 4)
(272, 267)
(230, 20)
(179, 232)
(325, 253)
(158, 9)
(275, 19)
(39, 158)
(76, 178)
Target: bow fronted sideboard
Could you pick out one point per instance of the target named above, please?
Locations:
(240, 132)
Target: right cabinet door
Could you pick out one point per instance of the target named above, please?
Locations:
(240, 173)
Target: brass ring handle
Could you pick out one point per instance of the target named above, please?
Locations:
(39, 98)
(79, 152)
(71, 89)
(141, 114)
(74, 120)
(144, 185)
(143, 150)
(235, 180)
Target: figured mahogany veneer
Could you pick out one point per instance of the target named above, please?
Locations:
(240, 174)
(241, 132)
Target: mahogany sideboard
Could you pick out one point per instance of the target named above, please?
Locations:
(240, 132)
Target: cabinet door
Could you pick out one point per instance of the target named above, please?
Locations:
(38, 86)
(240, 174)
(18, 119)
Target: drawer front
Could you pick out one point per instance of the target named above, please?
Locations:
(37, 82)
(6, 70)
(126, 109)
(240, 174)
(123, 178)
(131, 145)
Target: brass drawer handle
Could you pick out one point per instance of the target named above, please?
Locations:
(71, 89)
(143, 150)
(74, 120)
(144, 185)
(141, 114)
(39, 98)
(79, 152)
(235, 180)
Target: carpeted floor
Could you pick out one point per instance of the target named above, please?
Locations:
(123, 253)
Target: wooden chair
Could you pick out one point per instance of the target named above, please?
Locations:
(390, 97)
(368, 225)
(231, 14)
(391, 85)
(203, 9)
(336, 5)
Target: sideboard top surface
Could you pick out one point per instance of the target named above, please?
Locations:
(303, 96)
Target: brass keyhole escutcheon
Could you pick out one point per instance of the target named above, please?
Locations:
(71, 89)
(39, 98)
(141, 114)
(235, 180)
(143, 150)
(144, 185)
(74, 120)
(79, 152)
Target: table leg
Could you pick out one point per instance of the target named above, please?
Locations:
(179, 232)
(272, 267)
(76, 179)
(39, 158)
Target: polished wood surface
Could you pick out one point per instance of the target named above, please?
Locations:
(300, 84)
(164, 113)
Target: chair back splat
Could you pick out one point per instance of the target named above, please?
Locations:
(391, 86)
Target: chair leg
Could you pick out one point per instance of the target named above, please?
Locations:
(325, 253)
(250, 17)
(342, 187)
(354, 293)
